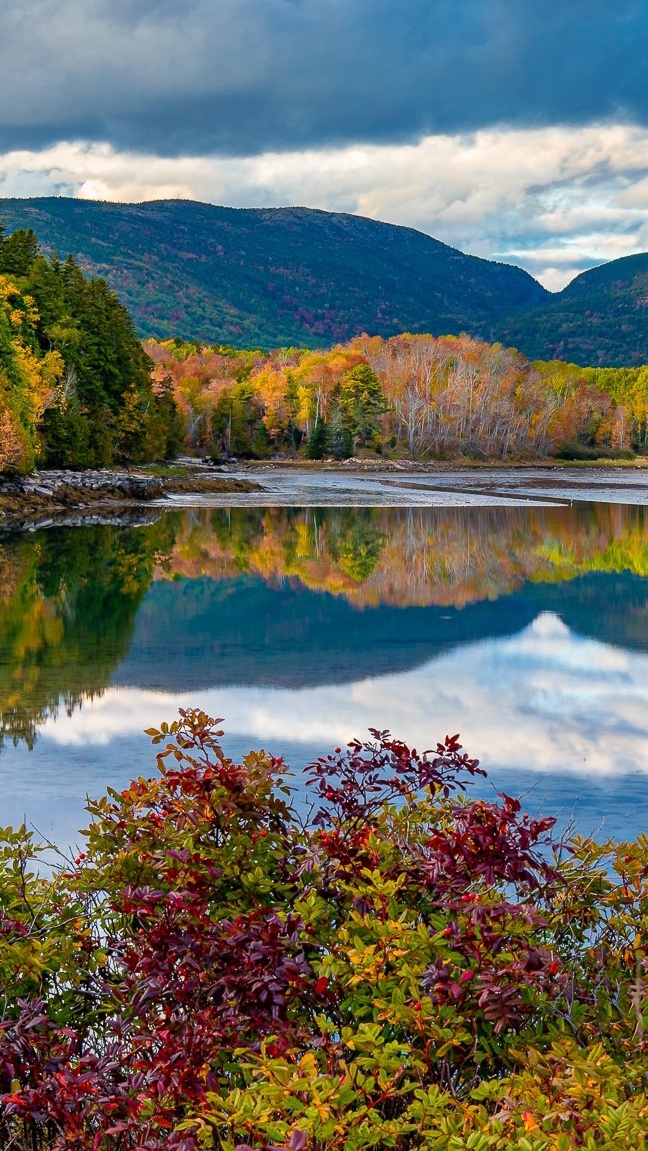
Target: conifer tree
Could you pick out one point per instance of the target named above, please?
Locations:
(75, 383)
(316, 448)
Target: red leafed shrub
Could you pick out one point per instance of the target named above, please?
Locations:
(409, 969)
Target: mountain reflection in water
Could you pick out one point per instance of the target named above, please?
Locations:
(525, 628)
(299, 597)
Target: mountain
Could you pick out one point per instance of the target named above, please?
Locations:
(267, 277)
(275, 276)
(600, 318)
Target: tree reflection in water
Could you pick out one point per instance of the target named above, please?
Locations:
(69, 597)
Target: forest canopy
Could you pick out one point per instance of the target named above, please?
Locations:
(412, 395)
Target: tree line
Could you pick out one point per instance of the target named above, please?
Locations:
(78, 389)
(411, 395)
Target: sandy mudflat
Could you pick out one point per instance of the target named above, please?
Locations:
(457, 487)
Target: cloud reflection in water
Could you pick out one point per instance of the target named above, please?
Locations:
(546, 699)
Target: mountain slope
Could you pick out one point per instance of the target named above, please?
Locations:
(275, 276)
(600, 318)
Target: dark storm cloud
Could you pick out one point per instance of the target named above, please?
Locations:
(242, 76)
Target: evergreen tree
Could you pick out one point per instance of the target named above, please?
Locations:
(67, 437)
(340, 440)
(316, 448)
(76, 386)
(18, 252)
(164, 424)
(361, 402)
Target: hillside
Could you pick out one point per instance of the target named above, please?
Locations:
(272, 277)
(276, 276)
(601, 318)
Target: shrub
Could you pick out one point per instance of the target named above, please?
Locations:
(578, 451)
(411, 969)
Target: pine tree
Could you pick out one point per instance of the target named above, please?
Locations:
(316, 448)
(361, 402)
(18, 252)
(340, 441)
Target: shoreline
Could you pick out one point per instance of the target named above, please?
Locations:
(377, 464)
(55, 493)
(48, 497)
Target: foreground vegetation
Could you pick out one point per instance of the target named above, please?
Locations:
(408, 969)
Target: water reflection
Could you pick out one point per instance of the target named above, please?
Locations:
(68, 601)
(524, 628)
(412, 556)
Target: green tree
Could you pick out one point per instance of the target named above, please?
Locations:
(131, 427)
(340, 440)
(316, 447)
(164, 425)
(66, 435)
(18, 252)
(361, 401)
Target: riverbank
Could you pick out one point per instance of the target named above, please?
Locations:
(375, 463)
(52, 496)
(443, 486)
(23, 498)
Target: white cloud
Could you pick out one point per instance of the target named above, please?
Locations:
(554, 200)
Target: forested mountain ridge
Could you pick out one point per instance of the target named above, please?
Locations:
(600, 318)
(272, 277)
(275, 276)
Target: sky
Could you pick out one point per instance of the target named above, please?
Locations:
(513, 129)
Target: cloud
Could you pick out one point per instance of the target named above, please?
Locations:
(243, 77)
(554, 199)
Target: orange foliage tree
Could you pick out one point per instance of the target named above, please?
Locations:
(448, 396)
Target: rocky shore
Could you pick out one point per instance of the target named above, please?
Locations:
(25, 498)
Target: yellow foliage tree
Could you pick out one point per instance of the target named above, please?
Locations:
(27, 382)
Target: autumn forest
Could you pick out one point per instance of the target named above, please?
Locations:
(413, 396)
(78, 389)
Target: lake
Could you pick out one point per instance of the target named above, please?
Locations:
(519, 620)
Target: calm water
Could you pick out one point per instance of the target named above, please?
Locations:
(523, 628)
